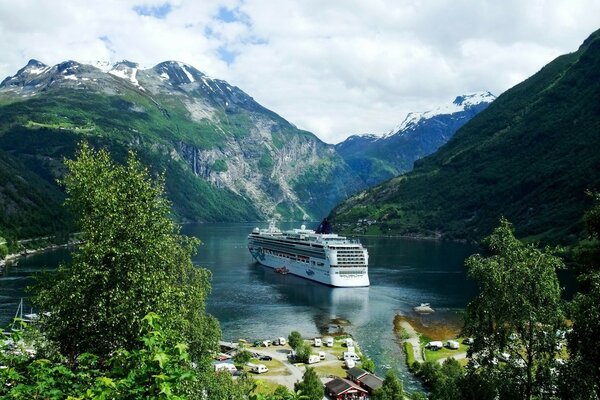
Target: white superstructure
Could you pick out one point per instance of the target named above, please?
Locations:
(326, 258)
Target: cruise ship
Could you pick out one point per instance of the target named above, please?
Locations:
(319, 256)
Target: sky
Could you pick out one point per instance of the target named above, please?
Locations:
(335, 68)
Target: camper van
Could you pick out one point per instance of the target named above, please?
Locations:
(313, 359)
(279, 342)
(318, 342)
(329, 341)
(322, 355)
(225, 367)
(452, 344)
(349, 342)
(350, 364)
(350, 356)
(258, 368)
(266, 343)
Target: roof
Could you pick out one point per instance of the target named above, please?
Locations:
(371, 381)
(339, 386)
(355, 373)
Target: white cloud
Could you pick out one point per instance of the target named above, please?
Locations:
(334, 68)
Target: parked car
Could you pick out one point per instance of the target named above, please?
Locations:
(265, 358)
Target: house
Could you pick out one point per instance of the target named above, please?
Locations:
(343, 389)
(370, 382)
(355, 373)
(364, 379)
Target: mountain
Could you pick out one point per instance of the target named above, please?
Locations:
(225, 157)
(376, 159)
(530, 156)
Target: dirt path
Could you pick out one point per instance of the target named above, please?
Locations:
(457, 356)
(413, 339)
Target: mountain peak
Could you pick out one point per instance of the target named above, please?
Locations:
(460, 104)
(178, 73)
(474, 99)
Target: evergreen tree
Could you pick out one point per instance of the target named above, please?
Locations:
(391, 389)
(132, 261)
(517, 312)
(310, 385)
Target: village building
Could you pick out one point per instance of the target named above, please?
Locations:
(364, 379)
(344, 389)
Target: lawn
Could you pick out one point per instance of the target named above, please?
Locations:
(435, 355)
(276, 367)
(330, 369)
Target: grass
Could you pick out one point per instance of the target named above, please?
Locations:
(265, 386)
(436, 355)
(330, 369)
(275, 367)
(410, 354)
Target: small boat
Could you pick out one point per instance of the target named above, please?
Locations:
(424, 308)
(282, 270)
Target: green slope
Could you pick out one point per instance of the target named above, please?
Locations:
(530, 156)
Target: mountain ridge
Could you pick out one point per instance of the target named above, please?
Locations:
(378, 158)
(530, 156)
(225, 157)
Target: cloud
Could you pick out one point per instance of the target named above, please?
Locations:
(334, 68)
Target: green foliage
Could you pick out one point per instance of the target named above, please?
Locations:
(242, 357)
(410, 355)
(295, 339)
(528, 156)
(368, 365)
(391, 389)
(449, 381)
(303, 352)
(310, 386)
(219, 166)
(517, 312)
(151, 370)
(581, 375)
(132, 261)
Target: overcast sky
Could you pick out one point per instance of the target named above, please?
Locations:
(335, 68)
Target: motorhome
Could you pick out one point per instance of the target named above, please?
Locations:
(313, 359)
(318, 342)
(225, 367)
(329, 341)
(258, 368)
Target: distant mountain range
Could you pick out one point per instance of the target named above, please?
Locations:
(379, 158)
(530, 156)
(226, 157)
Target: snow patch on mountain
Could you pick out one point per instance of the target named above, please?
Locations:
(460, 104)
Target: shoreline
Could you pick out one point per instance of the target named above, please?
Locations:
(11, 259)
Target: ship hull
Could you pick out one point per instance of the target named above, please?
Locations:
(332, 276)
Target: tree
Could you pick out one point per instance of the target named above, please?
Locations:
(391, 389)
(303, 352)
(295, 339)
(310, 385)
(517, 312)
(449, 381)
(368, 365)
(132, 261)
(242, 357)
(152, 370)
(581, 375)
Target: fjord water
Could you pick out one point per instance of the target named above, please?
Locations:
(252, 301)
